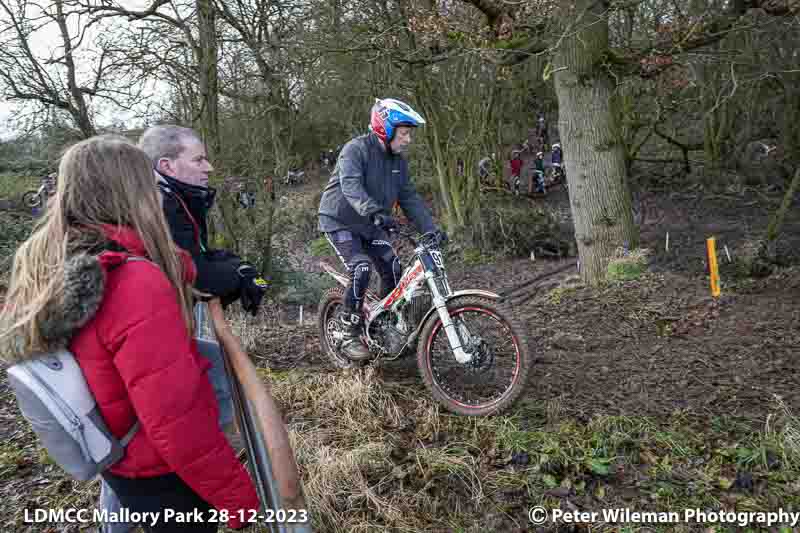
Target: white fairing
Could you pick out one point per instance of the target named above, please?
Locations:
(413, 278)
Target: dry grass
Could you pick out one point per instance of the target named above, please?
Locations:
(378, 456)
(364, 469)
(788, 436)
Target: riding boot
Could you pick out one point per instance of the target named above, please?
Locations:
(352, 346)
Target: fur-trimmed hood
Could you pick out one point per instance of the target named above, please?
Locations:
(84, 286)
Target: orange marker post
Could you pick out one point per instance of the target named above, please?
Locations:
(713, 269)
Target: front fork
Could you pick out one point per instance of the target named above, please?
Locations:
(440, 303)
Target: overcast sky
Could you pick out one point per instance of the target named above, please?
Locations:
(43, 44)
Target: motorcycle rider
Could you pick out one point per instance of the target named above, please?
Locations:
(537, 176)
(557, 159)
(355, 209)
(516, 170)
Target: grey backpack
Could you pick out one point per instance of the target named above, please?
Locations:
(53, 396)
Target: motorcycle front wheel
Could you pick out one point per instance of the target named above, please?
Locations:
(498, 371)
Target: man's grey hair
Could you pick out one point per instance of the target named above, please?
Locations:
(166, 141)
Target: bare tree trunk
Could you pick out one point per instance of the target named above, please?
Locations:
(78, 108)
(207, 64)
(207, 51)
(265, 237)
(775, 224)
(595, 157)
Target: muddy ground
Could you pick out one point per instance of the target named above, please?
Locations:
(652, 347)
(656, 344)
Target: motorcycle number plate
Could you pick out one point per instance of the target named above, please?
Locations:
(437, 258)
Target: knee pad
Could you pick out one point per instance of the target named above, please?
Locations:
(397, 269)
(360, 271)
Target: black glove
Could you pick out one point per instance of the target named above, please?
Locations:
(441, 236)
(385, 222)
(220, 255)
(252, 288)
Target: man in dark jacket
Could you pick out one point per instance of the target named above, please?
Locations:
(182, 168)
(371, 174)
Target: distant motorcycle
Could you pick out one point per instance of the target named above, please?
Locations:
(472, 351)
(37, 198)
(293, 178)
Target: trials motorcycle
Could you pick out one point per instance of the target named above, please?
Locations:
(472, 353)
(37, 198)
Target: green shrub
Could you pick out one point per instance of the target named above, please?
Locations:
(297, 287)
(14, 184)
(627, 265)
(14, 228)
(299, 218)
(624, 270)
(321, 247)
(306, 288)
(514, 227)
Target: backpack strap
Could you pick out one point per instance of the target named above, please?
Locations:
(131, 433)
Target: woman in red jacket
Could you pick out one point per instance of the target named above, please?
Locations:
(129, 325)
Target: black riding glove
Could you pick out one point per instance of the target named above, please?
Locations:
(441, 237)
(385, 222)
(220, 255)
(252, 288)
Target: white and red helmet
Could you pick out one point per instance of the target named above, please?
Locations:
(388, 113)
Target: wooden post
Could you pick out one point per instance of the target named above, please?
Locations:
(713, 269)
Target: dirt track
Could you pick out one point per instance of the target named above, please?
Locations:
(651, 346)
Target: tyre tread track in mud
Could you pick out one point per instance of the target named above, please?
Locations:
(507, 316)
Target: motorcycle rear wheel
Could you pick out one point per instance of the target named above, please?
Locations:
(329, 307)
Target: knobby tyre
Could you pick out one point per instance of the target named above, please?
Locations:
(31, 199)
(494, 379)
(332, 300)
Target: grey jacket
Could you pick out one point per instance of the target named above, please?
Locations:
(365, 181)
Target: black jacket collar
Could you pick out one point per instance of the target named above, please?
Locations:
(189, 193)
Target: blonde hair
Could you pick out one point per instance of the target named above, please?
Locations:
(102, 180)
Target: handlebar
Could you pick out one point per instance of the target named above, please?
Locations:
(428, 239)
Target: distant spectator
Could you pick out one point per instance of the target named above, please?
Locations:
(516, 164)
(558, 155)
(516, 170)
(485, 167)
(541, 132)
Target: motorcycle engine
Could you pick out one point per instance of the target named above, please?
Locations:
(392, 338)
(416, 307)
(393, 330)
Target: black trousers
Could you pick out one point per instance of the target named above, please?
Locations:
(156, 494)
(358, 255)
